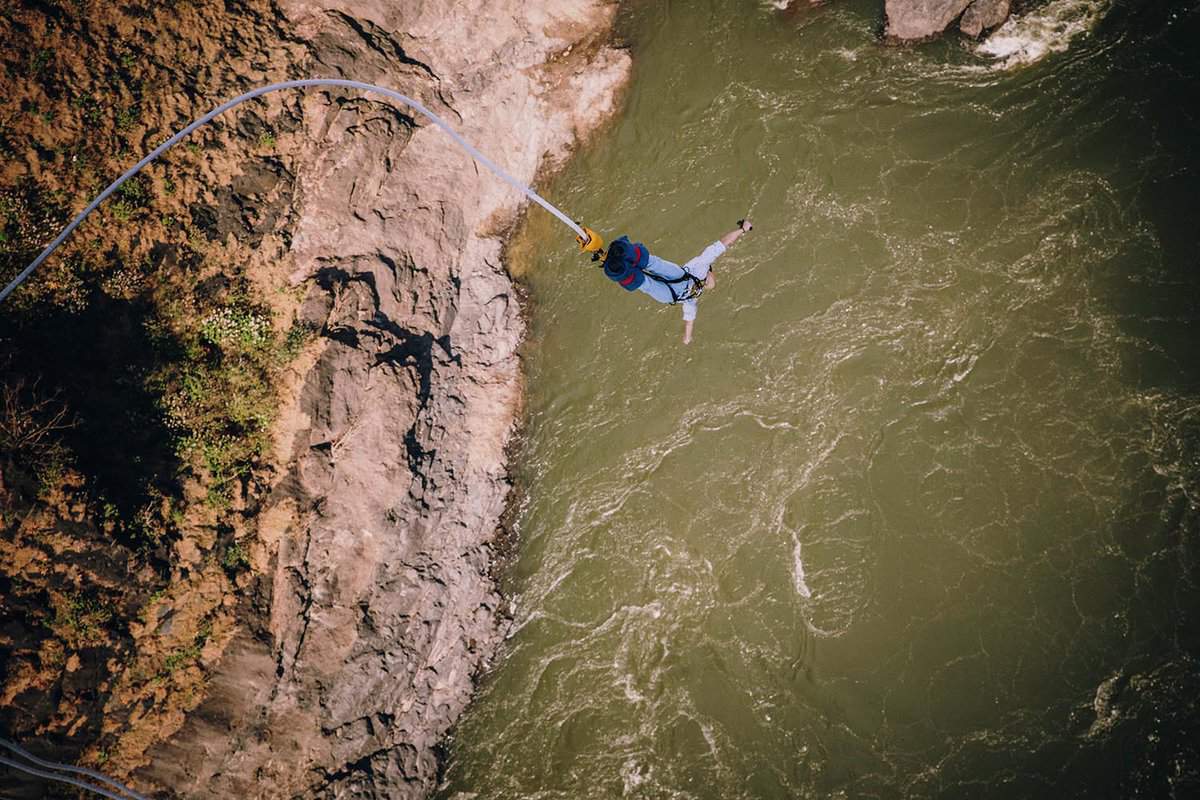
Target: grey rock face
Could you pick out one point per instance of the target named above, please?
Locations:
(382, 606)
(984, 15)
(910, 20)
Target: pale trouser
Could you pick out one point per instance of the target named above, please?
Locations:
(698, 267)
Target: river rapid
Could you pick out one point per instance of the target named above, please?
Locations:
(916, 513)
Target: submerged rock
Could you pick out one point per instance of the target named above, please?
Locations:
(983, 15)
(912, 20)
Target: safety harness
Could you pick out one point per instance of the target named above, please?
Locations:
(626, 262)
(693, 289)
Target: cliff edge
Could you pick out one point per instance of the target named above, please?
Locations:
(380, 607)
(254, 414)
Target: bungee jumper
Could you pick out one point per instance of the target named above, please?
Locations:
(630, 265)
(634, 268)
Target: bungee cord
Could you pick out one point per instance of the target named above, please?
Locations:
(53, 770)
(587, 239)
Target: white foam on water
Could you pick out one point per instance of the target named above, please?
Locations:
(798, 572)
(787, 5)
(632, 776)
(1030, 37)
(631, 694)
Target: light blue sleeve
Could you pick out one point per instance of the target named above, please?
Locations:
(689, 309)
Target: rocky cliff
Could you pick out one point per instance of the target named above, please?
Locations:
(381, 606)
(309, 612)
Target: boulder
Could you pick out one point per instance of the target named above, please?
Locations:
(912, 20)
(983, 15)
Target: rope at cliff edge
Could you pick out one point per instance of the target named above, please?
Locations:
(53, 770)
(274, 87)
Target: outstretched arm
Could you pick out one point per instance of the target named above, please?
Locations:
(744, 227)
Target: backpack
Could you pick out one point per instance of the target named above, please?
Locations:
(624, 263)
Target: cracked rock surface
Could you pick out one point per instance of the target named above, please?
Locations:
(921, 19)
(983, 15)
(360, 648)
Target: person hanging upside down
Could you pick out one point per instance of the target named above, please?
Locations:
(634, 268)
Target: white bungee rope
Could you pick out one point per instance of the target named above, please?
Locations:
(274, 87)
(54, 771)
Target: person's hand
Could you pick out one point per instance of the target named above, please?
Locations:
(746, 225)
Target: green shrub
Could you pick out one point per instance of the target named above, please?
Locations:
(132, 195)
(29, 219)
(126, 117)
(181, 658)
(136, 191)
(79, 621)
(235, 557)
(241, 329)
(39, 64)
(91, 109)
(184, 656)
(218, 393)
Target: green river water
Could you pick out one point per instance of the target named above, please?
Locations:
(916, 513)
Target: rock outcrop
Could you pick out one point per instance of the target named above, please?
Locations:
(909, 20)
(983, 15)
(381, 606)
(915, 20)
